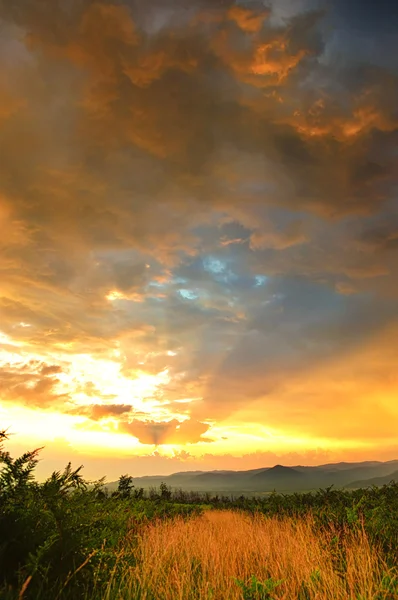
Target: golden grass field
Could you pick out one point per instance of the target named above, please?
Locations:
(201, 558)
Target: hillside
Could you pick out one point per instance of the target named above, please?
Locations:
(379, 481)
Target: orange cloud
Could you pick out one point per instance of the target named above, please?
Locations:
(248, 20)
(318, 122)
(261, 64)
(31, 383)
(274, 60)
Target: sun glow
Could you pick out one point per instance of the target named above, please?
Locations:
(77, 381)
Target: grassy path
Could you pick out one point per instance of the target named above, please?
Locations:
(201, 559)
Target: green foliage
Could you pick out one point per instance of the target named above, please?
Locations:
(165, 491)
(388, 587)
(258, 590)
(125, 486)
(315, 576)
(66, 538)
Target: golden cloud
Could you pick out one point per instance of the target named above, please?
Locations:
(97, 412)
(32, 383)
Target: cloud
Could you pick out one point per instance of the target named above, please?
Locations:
(33, 384)
(199, 189)
(365, 16)
(50, 370)
(279, 240)
(97, 412)
(248, 20)
(381, 237)
(171, 432)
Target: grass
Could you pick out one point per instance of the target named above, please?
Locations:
(230, 555)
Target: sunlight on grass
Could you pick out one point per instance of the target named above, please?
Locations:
(225, 554)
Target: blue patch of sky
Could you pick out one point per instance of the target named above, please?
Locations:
(214, 265)
(188, 294)
(220, 270)
(223, 270)
(233, 301)
(260, 280)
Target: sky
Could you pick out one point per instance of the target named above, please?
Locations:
(198, 233)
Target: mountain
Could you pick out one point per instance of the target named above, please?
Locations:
(379, 481)
(280, 478)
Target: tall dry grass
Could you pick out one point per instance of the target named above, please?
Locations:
(200, 559)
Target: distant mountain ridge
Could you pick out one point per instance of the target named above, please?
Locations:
(280, 478)
(378, 481)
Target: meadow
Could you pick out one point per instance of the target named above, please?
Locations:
(69, 538)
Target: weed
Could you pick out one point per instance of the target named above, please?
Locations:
(258, 590)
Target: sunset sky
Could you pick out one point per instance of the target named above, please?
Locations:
(198, 232)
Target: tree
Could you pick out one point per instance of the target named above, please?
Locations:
(165, 491)
(125, 486)
(139, 493)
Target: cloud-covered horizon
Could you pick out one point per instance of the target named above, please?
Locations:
(199, 226)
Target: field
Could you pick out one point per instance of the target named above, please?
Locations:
(215, 556)
(67, 539)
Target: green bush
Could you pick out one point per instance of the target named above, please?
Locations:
(66, 536)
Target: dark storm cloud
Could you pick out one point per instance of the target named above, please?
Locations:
(178, 100)
(368, 15)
